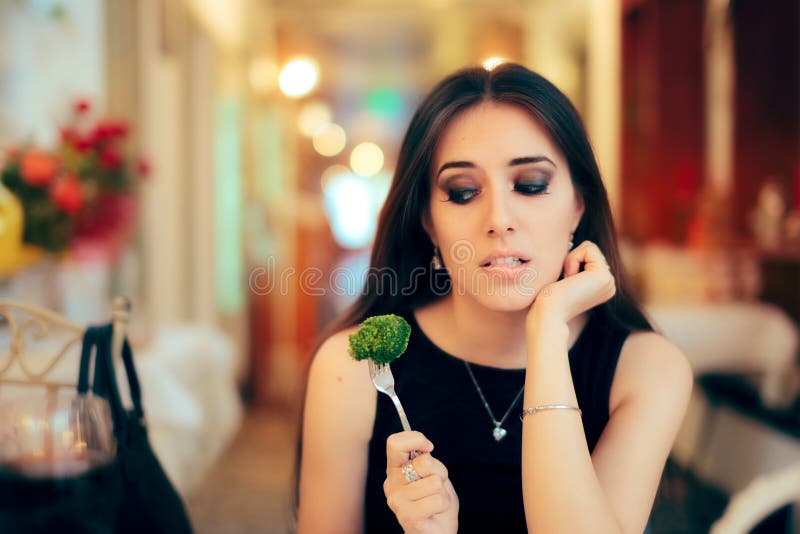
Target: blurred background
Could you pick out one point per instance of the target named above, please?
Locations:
(222, 165)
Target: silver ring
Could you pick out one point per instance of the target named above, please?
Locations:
(410, 473)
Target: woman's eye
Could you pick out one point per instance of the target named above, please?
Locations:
(461, 196)
(531, 188)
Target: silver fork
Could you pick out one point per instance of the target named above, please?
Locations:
(383, 379)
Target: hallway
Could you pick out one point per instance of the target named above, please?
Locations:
(248, 491)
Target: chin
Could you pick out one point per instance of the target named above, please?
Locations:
(510, 302)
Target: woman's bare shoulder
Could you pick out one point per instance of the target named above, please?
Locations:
(337, 426)
(333, 358)
(648, 361)
(334, 349)
(342, 385)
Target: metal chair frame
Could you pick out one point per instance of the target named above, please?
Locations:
(23, 318)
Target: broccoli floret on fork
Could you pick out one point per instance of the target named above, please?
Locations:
(380, 338)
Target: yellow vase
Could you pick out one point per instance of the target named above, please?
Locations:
(13, 254)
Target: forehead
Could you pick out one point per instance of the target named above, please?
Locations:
(494, 132)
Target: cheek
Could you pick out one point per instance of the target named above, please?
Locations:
(549, 258)
(459, 250)
(457, 234)
(548, 243)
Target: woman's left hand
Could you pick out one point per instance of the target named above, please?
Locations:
(578, 291)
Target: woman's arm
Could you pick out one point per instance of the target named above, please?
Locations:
(565, 489)
(337, 425)
(649, 397)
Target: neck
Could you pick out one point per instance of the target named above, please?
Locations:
(484, 336)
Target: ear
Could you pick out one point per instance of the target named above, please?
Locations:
(427, 225)
(580, 207)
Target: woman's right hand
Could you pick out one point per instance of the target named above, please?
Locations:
(428, 505)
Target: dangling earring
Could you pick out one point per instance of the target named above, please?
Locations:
(570, 244)
(436, 263)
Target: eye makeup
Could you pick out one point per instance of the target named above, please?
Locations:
(463, 193)
(462, 188)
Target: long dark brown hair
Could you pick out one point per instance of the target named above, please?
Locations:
(402, 246)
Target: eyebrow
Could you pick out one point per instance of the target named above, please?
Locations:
(513, 162)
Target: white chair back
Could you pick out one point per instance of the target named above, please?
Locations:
(758, 500)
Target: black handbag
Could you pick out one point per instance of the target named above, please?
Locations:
(148, 501)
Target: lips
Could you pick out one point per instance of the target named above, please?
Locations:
(511, 258)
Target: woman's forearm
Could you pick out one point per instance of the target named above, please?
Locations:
(560, 489)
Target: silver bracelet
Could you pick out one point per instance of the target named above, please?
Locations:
(544, 407)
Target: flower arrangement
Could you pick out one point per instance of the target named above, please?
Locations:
(83, 191)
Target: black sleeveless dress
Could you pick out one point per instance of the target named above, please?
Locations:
(442, 403)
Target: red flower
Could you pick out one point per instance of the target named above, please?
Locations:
(110, 158)
(38, 168)
(116, 129)
(82, 106)
(109, 130)
(98, 134)
(84, 144)
(67, 194)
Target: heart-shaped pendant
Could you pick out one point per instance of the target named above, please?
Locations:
(499, 433)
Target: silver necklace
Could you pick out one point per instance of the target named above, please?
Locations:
(498, 432)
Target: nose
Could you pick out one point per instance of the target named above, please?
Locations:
(501, 220)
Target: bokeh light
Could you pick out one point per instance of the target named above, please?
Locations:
(332, 172)
(366, 159)
(493, 62)
(329, 139)
(349, 206)
(384, 102)
(299, 77)
(313, 116)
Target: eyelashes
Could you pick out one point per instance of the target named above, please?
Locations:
(461, 196)
(465, 195)
(531, 188)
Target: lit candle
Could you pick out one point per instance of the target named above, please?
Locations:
(32, 438)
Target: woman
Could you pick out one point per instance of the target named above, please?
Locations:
(495, 184)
